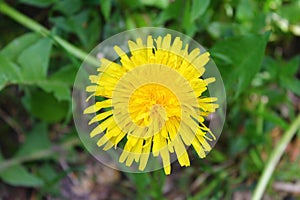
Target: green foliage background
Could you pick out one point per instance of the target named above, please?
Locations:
(255, 45)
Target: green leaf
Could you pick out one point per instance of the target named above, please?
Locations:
(15, 48)
(39, 3)
(47, 173)
(18, 175)
(171, 12)
(292, 84)
(220, 29)
(35, 141)
(290, 12)
(156, 3)
(9, 72)
(246, 54)
(245, 10)
(86, 26)
(105, 6)
(289, 69)
(286, 72)
(60, 90)
(33, 55)
(198, 8)
(61, 23)
(45, 106)
(35, 59)
(60, 83)
(68, 7)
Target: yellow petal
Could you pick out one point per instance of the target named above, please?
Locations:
(145, 154)
(101, 116)
(99, 105)
(166, 42)
(198, 148)
(102, 127)
(166, 160)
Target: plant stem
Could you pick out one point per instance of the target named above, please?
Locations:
(274, 159)
(36, 27)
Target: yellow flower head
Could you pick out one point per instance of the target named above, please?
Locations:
(152, 100)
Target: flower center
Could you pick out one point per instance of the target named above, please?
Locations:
(153, 102)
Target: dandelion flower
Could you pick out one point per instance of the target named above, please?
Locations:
(153, 100)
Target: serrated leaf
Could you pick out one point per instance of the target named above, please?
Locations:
(18, 175)
(35, 59)
(246, 54)
(35, 141)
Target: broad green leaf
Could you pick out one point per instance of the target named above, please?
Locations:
(198, 8)
(60, 90)
(39, 3)
(246, 54)
(33, 53)
(60, 83)
(9, 72)
(45, 106)
(15, 47)
(105, 6)
(35, 141)
(65, 74)
(35, 59)
(18, 175)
